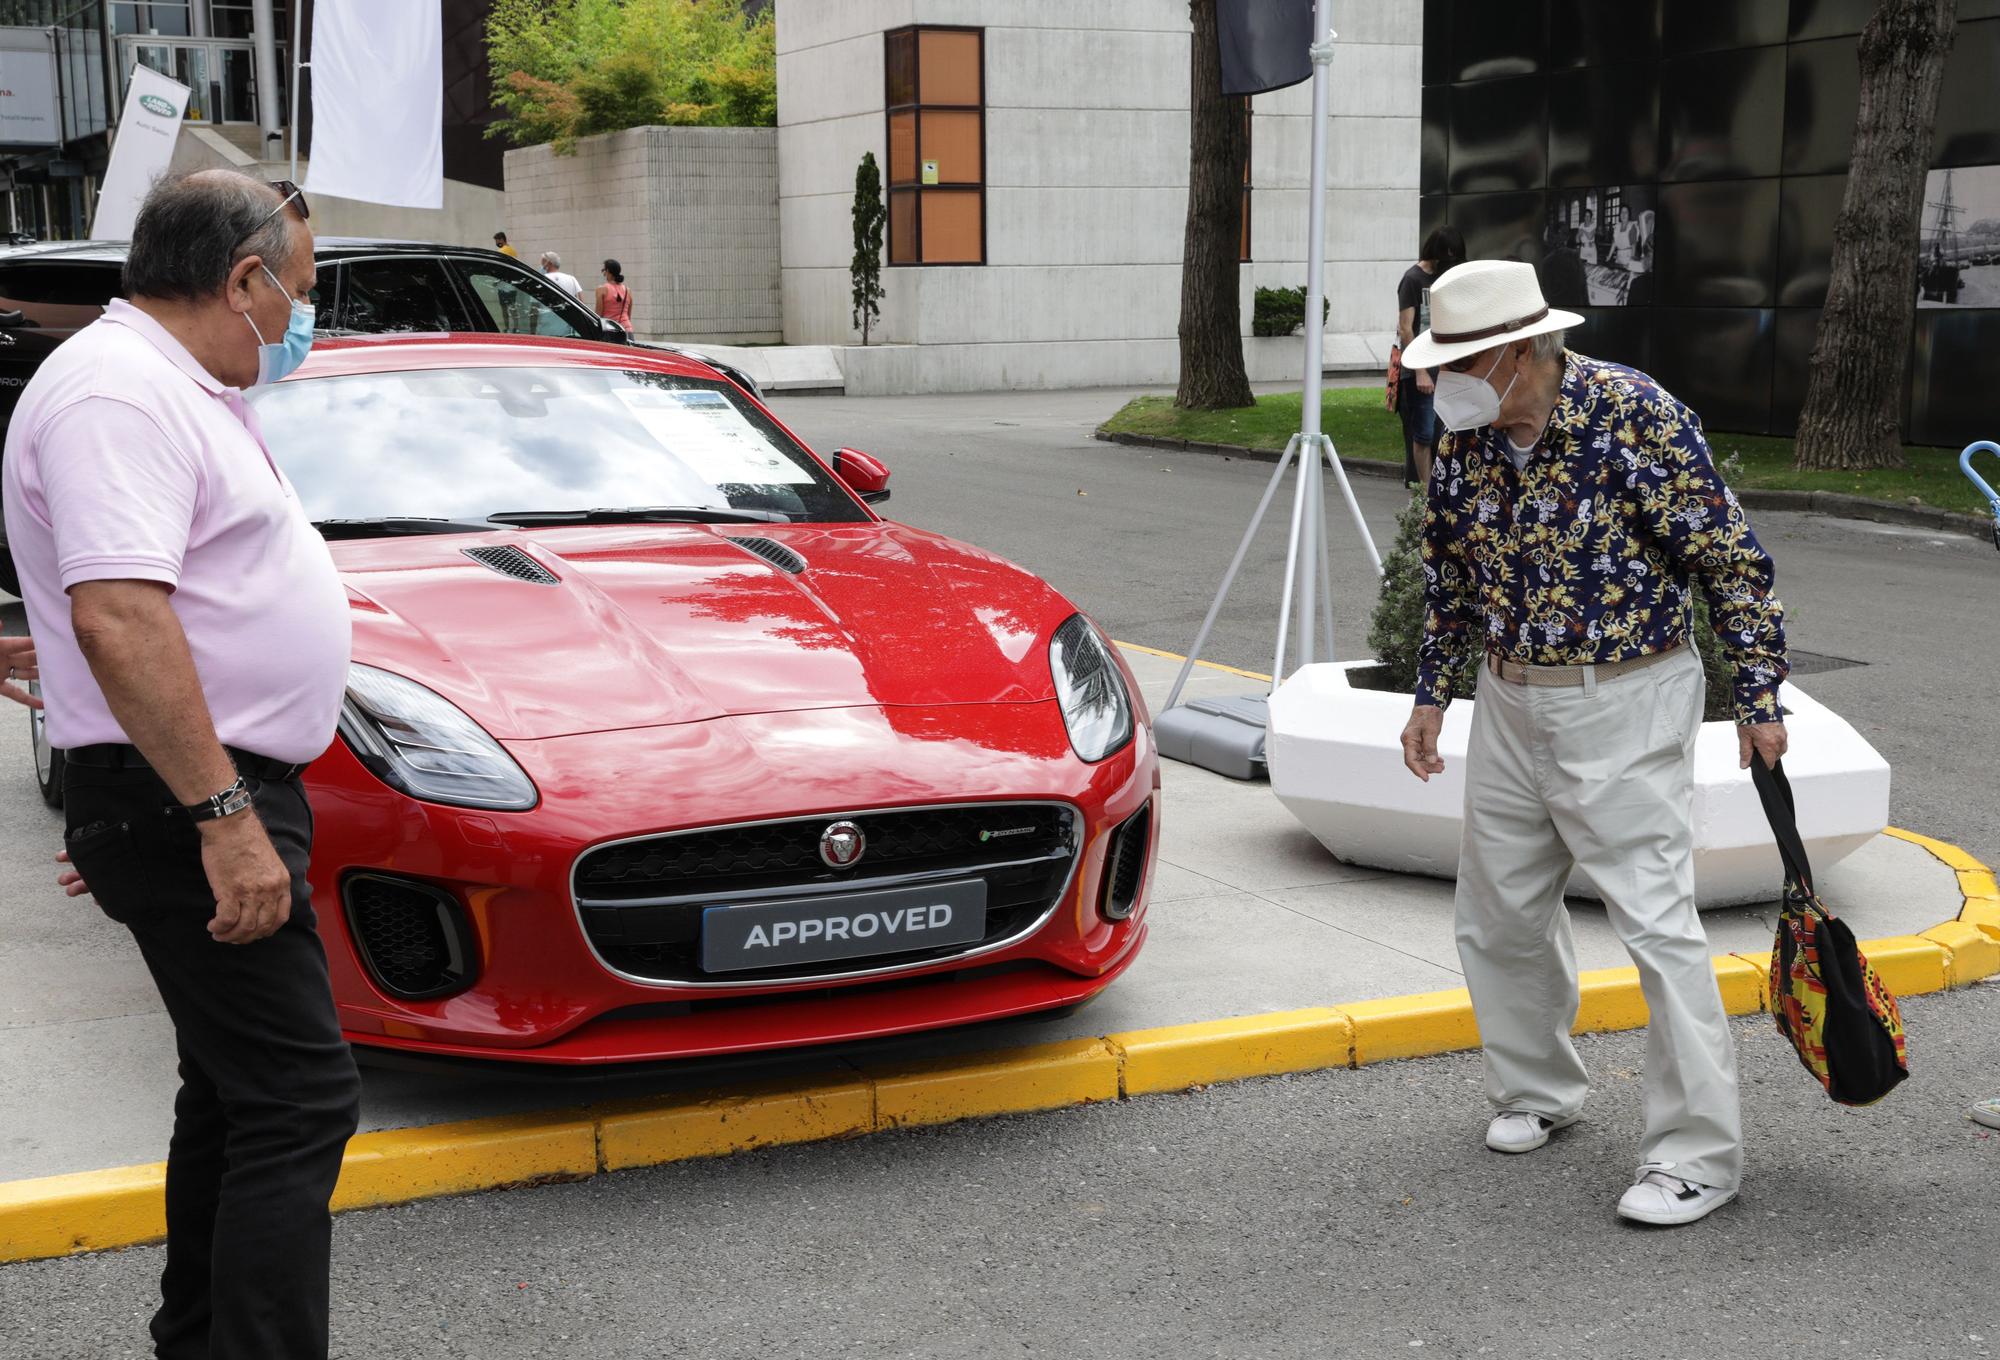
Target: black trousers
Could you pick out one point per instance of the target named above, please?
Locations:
(269, 1093)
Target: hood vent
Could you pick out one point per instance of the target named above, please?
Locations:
(777, 554)
(509, 560)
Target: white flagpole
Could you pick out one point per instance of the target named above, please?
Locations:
(298, 27)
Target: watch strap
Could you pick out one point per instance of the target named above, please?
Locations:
(229, 802)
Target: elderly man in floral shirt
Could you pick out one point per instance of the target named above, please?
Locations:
(1573, 513)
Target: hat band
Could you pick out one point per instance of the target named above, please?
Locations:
(1459, 337)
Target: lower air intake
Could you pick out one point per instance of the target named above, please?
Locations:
(413, 937)
(1125, 864)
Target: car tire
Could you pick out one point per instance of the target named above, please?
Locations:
(49, 761)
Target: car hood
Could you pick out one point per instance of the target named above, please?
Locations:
(660, 624)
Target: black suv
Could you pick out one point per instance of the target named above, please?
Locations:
(51, 290)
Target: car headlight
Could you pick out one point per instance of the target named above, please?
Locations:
(1095, 706)
(418, 742)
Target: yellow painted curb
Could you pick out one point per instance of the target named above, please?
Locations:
(643, 1133)
(1180, 1056)
(1044, 1077)
(395, 1166)
(87, 1211)
(91, 1211)
(1205, 665)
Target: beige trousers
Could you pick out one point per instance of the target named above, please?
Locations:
(1602, 777)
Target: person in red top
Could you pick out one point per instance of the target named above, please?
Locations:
(614, 299)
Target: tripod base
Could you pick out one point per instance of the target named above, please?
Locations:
(1225, 735)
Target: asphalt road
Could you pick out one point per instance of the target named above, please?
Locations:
(1340, 1214)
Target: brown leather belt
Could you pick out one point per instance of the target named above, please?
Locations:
(1572, 677)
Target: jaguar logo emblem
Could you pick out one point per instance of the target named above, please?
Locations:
(157, 106)
(841, 844)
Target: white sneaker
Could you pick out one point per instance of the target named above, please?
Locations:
(1522, 1131)
(1669, 1201)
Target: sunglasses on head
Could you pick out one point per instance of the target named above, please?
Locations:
(289, 195)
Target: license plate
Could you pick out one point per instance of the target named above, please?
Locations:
(847, 926)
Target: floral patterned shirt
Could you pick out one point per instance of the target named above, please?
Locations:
(1584, 555)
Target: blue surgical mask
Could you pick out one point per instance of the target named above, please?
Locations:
(275, 361)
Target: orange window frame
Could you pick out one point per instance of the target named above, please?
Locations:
(906, 195)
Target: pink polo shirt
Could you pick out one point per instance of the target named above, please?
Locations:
(127, 460)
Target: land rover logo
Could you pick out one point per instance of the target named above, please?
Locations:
(153, 104)
(841, 844)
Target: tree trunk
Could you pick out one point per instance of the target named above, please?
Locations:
(1211, 330)
(1854, 395)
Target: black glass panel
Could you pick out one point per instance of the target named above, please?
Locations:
(1620, 334)
(1718, 361)
(1437, 41)
(1602, 32)
(1796, 329)
(1431, 214)
(1806, 213)
(1968, 132)
(1829, 18)
(1822, 91)
(1947, 405)
(1489, 40)
(1718, 244)
(1599, 246)
(1499, 136)
(1723, 115)
(1978, 9)
(1711, 25)
(1603, 126)
(1436, 138)
(1500, 226)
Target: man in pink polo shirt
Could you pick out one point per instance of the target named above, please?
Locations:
(192, 640)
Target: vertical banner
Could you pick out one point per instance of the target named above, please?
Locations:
(1264, 43)
(378, 101)
(147, 131)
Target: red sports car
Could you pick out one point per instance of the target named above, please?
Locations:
(658, 742)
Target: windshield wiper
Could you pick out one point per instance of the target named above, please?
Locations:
(643, 514)
(395, 526)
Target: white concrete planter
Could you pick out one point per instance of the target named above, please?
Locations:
(1337, 765)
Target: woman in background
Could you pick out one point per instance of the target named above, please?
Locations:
(614, 299)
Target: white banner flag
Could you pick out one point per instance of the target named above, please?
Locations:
(378, 101)
(144, 147)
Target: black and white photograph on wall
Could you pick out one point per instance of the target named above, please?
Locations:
(1598, 247)
(1958, 260)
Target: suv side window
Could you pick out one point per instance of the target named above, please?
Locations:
(62, 298)
(326, 295)
(399, 293)
(516, 300)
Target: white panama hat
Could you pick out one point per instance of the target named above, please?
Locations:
(1482, 304)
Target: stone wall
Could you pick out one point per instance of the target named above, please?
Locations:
(690, 213)
(1086, 191)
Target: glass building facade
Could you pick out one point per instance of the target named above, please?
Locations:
(1673, 169)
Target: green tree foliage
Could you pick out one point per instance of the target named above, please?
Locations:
(1397, 625)
(564, 69)
(866, 270)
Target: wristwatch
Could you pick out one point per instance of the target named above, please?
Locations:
(232, 800)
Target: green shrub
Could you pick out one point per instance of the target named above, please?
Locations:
(1281, 311)
(1397, 626)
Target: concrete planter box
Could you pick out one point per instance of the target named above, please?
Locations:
(1337, 765)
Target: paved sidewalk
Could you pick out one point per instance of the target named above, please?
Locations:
(1249, 915)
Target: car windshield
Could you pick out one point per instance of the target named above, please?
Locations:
(459, 445)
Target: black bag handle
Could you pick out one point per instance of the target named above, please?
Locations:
(1776, 792)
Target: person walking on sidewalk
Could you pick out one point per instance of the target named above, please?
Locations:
(1573, 513)
(552, 266)
(193, 638)
(500, 244)
(614, 299)
(1443, 249)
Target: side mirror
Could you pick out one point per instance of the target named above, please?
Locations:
(863, 473)
(615, 333)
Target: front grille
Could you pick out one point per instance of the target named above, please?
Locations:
(777, 554)
(413, 937)
(641, 901)
(509, 560)
(1125, 864)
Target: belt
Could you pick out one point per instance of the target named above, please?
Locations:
(1572, 677)
(113, 756)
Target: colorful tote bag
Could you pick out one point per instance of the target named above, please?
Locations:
(1828, 1002)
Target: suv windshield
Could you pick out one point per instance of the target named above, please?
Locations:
(458, 445)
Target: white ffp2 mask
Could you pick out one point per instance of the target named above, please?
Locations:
(1463, 402)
